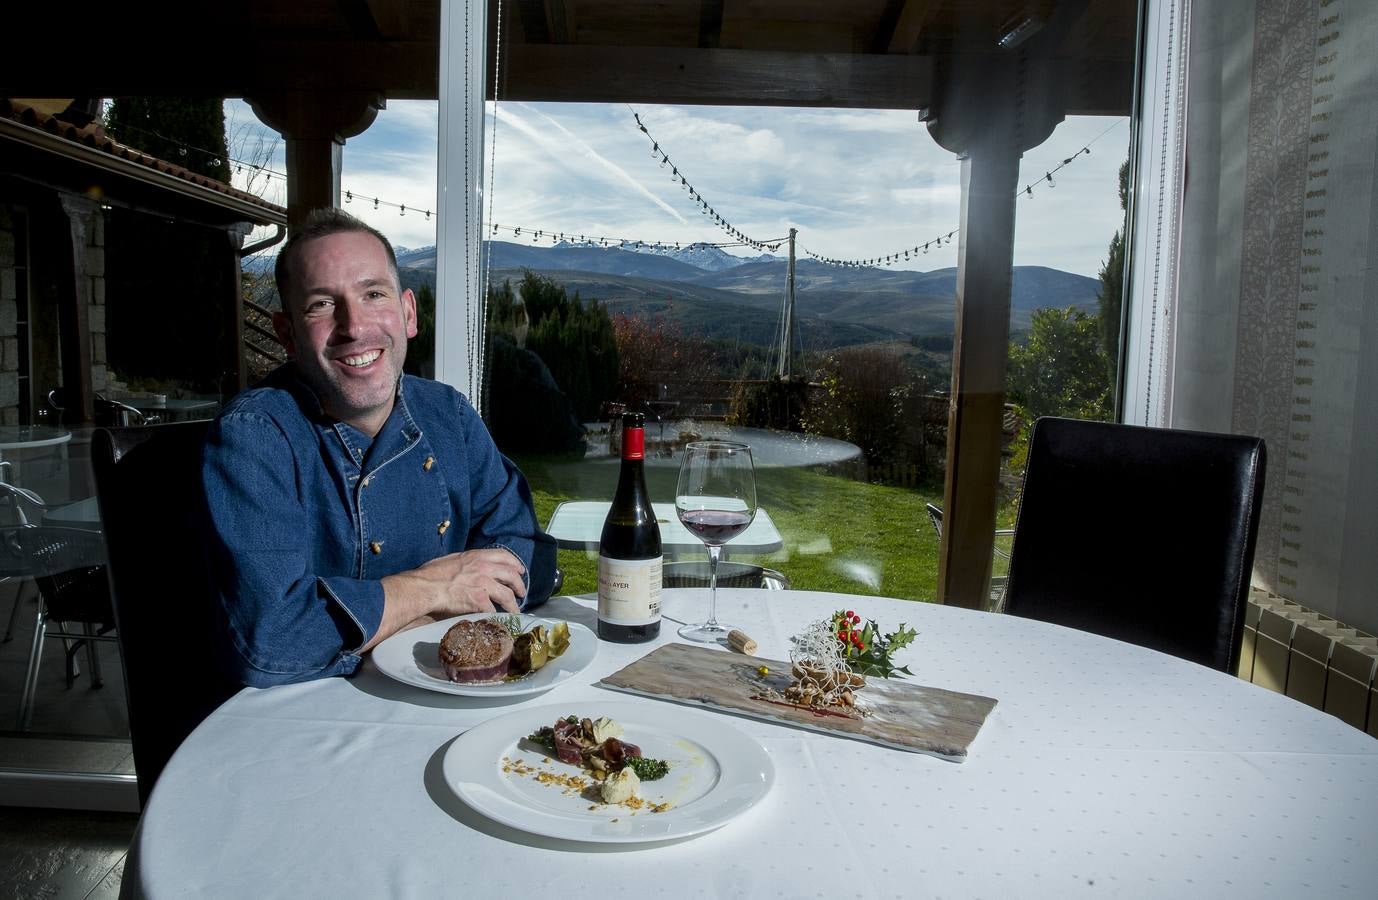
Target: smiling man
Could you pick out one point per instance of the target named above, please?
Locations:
(347, 500)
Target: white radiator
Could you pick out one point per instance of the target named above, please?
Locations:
(1312, 658)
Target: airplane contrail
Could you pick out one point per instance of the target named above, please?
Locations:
(559, 151)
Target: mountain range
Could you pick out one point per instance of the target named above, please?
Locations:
(724, 297)
(729, 298)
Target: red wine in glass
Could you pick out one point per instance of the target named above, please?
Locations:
(715, 500)
(715, 526)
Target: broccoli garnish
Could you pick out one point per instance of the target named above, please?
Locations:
(544, 736)
(647, 769)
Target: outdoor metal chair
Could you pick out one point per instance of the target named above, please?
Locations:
(68, 566)
(1141, 534)
(730, 575)
(18, 504)
(108, 412)
(148, 481)
(997, 582)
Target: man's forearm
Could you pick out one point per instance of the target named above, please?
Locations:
(406, 598)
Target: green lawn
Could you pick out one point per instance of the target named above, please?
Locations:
(840, 535)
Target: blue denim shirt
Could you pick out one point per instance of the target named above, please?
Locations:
(307, 515)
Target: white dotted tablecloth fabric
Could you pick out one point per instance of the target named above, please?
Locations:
(1105, 770)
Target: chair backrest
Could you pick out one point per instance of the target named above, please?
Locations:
(67, 564)
(1142, 534)
(148, 480)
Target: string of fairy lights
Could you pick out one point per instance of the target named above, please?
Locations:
(739, 237)
(704, 206)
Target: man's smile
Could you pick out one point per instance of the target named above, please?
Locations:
(361, 359)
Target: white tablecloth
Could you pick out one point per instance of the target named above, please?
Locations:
(1105, 770)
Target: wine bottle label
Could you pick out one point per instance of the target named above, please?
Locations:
(629, 590)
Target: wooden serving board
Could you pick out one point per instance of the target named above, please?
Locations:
(900, 714)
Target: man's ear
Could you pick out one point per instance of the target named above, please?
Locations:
(283, 326)
(409, 312)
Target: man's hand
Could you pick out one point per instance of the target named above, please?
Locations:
(471, 581)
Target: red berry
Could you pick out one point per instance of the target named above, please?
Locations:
(856, 619)
(850, 614)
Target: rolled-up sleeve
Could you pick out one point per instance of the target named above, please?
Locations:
(284, 623)
(503, 514)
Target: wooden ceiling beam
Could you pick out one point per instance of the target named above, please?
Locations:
(731, 77)
(717, 76)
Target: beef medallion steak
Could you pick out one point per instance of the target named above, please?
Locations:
(476, 652)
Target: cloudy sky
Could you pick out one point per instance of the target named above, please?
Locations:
(857, 184)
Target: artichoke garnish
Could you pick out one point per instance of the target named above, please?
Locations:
(557, 641)
(535, 648)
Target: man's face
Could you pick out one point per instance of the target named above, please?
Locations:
(346, 325)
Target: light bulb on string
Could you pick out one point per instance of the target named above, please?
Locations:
(375, 202)
(349, 196)
(403, 210)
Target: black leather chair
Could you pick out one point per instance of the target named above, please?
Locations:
(1141, 534)
(148, 479)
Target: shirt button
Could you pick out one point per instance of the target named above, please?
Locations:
(443, 526)
(376, 547)
(430, 461)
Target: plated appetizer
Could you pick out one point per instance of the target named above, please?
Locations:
(596, 745)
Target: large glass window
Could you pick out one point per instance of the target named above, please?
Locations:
(638, 258)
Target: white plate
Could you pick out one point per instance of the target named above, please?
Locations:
(413, 657)
(716, 774)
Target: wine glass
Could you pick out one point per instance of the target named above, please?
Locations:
(716, 501)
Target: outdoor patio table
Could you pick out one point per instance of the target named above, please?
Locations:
(1105, 770)
(31, 437)
(577, 525)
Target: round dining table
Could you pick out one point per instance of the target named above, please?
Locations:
(1104, 770)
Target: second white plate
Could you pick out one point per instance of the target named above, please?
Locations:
(413, 657)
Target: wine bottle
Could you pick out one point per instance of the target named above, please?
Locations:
(629, 557)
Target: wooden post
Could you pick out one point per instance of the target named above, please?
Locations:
(315, 126)
(234, 371)
(979, 354)
(74, 324)
(990, 111)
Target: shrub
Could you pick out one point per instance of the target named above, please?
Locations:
(778, 403)
(871, 398)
